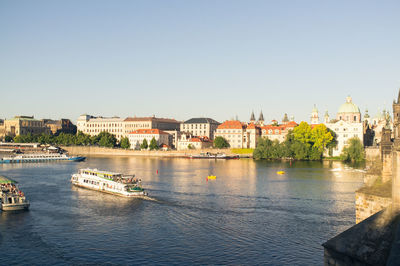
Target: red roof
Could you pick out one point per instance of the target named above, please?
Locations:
(151, 118)
(251, 126)
(231, 124)
(149, 131)
(201, 139)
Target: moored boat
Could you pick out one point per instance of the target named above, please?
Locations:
(209, 155)
(40, 157)
(109, 182)
(12, 199)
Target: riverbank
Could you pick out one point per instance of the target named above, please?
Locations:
(95, 150)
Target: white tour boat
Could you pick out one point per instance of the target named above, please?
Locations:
(40, 157)
(109, 182)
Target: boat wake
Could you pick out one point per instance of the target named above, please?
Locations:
(149, 198)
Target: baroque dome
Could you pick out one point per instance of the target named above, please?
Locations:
(349, 107)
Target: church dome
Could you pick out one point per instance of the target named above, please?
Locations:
(349, 107)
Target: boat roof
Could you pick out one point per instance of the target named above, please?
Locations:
(100, 171)
(6, 180)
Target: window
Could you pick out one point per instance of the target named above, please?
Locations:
(355, 118)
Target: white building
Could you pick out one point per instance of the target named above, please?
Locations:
(347, 125)
(136, 137)
(239, 135)
(187, 142)
(92, 125)
(201, 127)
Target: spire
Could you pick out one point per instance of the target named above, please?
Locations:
(261, 118)
(398, 97)
(285, 118)
(252, 117)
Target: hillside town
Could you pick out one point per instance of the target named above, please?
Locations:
(199, 132)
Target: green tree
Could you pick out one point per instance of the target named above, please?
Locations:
(354, 152)
(153, 144)
(107, 139)
(144, 145)
(190, 147)
(8, 138)
(321, 137)
(303, 133)
(220, 143)
(125, 144)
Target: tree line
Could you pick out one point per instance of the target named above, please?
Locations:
(307, 143)
(103, 139)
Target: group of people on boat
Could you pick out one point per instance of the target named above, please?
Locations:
(11, 188)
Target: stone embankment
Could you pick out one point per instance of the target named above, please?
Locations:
(102, 151)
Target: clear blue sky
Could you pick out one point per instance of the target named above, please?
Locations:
(185, 59)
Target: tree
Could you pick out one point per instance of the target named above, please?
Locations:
(8, 138)
(125, 144)
(144, 145)
(107, 139)
(153, 144)
(190, 147)
(220, 143)
(303, 133)
(321, 137)
(354, 152)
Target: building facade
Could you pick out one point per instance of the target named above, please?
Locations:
(134, 123)
(200, 127)
(239, 135)
(92, 125)
(60, 126)
(187, 142)
(347, 125)
(278, 132)
(22, 125)
(137, 137)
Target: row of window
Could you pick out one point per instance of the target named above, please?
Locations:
(345, 129)
(104, 125)
(194, 126)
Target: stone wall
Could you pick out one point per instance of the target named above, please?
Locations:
(369, 204)
(94, 150)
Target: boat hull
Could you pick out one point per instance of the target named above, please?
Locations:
(140, 194)
(43, 160)
(15, 206)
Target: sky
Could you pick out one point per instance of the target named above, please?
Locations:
(182, 59)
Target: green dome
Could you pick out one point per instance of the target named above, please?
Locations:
(349, 107)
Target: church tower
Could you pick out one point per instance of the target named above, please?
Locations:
(326, 117)
(261, 119)
(252, 117)
(396, 122)
(314, 116)
(285, 119)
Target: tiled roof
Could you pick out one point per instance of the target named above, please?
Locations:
(149, 131)
(251, 126)
(201, 120)
(231, 124)
(150, 118)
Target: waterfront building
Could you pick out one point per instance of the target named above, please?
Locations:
(92, 125)
(278, 132)
(187, 142)
(22, 125)
(234, 132)
(60, 126)
(239, 135)
(346, 125)
(200, 127)
(136, 137)
(151, 122)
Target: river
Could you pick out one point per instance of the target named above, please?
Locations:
(248, 215)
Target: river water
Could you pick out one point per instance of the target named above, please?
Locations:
(248, 215)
